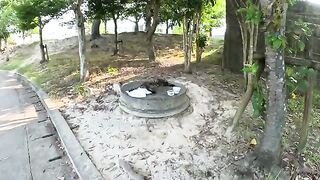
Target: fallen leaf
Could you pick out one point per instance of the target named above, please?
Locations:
(253, 142)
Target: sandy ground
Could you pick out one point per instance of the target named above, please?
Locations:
(187, 146)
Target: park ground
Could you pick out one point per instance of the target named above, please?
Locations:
(188, 146)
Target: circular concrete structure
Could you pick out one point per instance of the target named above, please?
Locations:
(156, 105)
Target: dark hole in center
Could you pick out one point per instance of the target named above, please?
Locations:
(152, 85)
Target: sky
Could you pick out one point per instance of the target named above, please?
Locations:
(314, 1)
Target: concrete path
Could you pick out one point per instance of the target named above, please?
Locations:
(29, 146)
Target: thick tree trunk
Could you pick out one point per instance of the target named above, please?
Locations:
(151, 30)
(233, 53)
(270, 148)
(84, 72)
(95, 29)
(116, 49)
(43, 54)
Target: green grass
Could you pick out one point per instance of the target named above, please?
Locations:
(14, 62)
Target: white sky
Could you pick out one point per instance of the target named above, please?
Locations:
(314, 1)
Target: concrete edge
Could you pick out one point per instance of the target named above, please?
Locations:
(82, 164)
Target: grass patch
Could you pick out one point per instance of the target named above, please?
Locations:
(14, 63)
(212, 53)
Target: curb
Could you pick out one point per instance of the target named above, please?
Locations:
(82, 164)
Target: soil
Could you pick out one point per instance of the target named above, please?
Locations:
(188, 146)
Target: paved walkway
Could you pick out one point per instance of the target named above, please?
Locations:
(29, 149)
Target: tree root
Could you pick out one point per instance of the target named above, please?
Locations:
(243, 104)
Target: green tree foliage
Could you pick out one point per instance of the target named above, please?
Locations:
(32, 13)
(37, 13)
(135, 9)
(169, 13)
(6, 19)
(106, 8)
(212, 16)
(112, 9)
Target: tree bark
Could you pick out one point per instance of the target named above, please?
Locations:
(43, 55)
(232, 52)
(148, 17)
(95, 29)
(84, 72)
(198, 48)
(116, 49)
(151, 30)
(270, 148)
(187, 43)
(0, 44)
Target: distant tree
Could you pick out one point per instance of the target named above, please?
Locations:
(112, 9)
(37, 13)
(204, 11)
(169, 14)
(135, 9)
(212, 16)
(191, 11)
(96, 13)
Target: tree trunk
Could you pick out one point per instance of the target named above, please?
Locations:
(116, 49)
(148, 15)
(84, 72)
(136, 24)
(0, 44)
(232, 52)
(187, 43)
(23, 37)
(105, 26)
(270, 148)
(167, 26)
(198, 48)
(43, 55)
(95, 29)
(252, 79)
(5, 42)
(151, 30)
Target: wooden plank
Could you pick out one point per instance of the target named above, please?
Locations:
(302, 62)
(307, 113)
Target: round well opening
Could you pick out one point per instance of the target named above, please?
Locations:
(153, 98)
